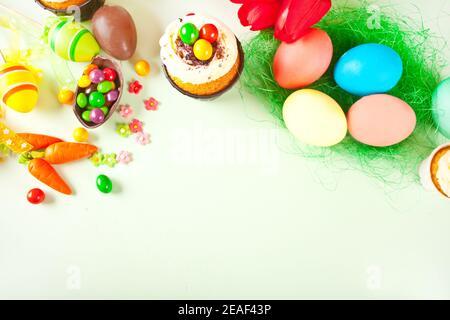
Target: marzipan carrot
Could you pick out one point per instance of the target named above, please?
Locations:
(64, 152)
(44, 172)
(39, 141)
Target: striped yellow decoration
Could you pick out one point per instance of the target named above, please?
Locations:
(71, 41)
(18, 87)
(12, 141)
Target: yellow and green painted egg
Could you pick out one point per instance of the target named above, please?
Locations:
(71, 41)
(18, 87)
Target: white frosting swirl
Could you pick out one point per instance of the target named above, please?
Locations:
(443, 173)
(199, 74)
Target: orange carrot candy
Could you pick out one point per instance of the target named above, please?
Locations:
(39, 141)
(64, 152)
(44, 172)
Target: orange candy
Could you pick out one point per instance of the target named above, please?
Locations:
(142, 68)
(89, 68)
(66, 96)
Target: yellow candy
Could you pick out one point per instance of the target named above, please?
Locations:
(84, 81)
(80, 135)
(315, 118)
(18, 87)
(203, 50)
(142, 68)
(66, 96)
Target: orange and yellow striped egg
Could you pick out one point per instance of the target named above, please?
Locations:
(18, 87)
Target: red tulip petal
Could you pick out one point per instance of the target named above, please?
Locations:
(259, 14)
(296, 17)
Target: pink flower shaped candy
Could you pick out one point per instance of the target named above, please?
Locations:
(124, 157)
(143, 138)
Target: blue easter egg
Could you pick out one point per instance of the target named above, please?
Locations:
(441, 107)
(369, 69)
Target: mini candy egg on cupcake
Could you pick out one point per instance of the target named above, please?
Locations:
(99, 92)
(202, 58)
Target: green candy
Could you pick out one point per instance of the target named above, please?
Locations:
(189, 34)
(105, 86)
(82, 100)
(86, 116)
(104, 184)
(105, 110)
(97, 99)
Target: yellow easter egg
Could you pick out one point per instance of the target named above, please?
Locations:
(18, 88)
(315, 118)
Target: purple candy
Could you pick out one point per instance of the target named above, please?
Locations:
(96, 76)
(112, 96)
(97, 116)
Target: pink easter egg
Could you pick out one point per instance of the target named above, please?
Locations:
(381, 120)
(301, 63)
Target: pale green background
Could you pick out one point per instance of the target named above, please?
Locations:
(175, 229)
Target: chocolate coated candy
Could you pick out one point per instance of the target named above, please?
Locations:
(115, 31)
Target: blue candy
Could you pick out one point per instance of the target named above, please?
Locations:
(369, 69)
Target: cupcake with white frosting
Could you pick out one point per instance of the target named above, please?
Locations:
(202, 58)
(435, 171)
(84, 9)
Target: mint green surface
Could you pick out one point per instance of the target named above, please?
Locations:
(441, 107)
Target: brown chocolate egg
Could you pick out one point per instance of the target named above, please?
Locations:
(115, 31)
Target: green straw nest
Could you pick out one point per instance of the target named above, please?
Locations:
(348, 27)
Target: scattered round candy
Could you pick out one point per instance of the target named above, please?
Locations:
(105, 86)
(315, 118)
(142, 68)
(369, 69)
(381, 120)
(89, 68)
(112, 96)
(82, 100)
(96, 99)
(97, 116)
(86, 116)
(84, 81)
(36, 196)
(203, 50)
(110, 74)
(104, 184)
(189, 34)
(81, 135)
(303, 62)
(441, 107)
(66, 96)
(96, 76)
(209, 32)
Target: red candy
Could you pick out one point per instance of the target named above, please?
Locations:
(135, 87)
(209, 33)
(36, 196)
(110, 74)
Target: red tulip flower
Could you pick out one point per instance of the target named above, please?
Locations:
(291, 19)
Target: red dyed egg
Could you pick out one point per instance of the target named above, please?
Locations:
(209, 32)
(301, 63)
